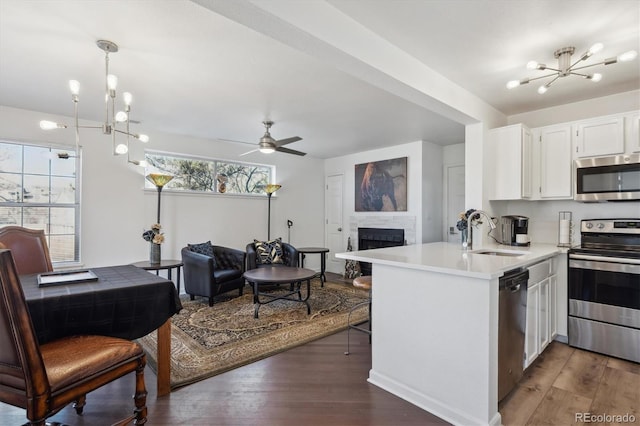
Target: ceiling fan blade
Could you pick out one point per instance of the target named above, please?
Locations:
(249, 152)
(290, 151)
(235, 141)
(282, 142)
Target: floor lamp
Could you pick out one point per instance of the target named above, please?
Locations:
(159, 180)
(270, 189)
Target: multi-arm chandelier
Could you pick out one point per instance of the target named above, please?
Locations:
(112, 118)
(566, 67)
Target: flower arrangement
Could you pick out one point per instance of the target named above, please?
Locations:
(463, 223)
(154, 235)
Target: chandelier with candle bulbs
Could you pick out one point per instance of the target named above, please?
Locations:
(112, 118)
(566, 67)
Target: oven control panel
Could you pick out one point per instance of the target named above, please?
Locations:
(614, 226)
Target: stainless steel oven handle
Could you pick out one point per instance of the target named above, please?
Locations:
(605, 259)
(604, 266)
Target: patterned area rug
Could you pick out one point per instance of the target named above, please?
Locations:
(206, 341)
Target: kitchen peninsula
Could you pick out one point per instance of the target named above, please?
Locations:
(435, 325)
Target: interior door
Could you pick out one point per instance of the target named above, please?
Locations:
(333, 223)
(454, 204)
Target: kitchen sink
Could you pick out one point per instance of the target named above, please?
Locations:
(499, 252)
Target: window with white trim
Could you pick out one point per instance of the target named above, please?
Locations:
(197, 174)
(39, 190)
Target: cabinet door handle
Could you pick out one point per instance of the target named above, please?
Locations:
(339, 229)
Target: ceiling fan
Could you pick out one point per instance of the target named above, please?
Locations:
(267, 144)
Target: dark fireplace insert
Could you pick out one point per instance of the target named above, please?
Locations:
(371, 238)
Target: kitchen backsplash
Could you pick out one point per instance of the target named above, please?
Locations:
(543, 215)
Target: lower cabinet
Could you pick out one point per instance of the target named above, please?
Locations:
(541, 322)
(531, 330)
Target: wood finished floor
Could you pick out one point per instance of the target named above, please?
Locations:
(316, 384)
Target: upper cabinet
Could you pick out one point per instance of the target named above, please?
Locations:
(511, 151)
(555, 161)
(633, 133)
(599, 136)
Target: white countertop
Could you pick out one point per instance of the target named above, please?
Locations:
(449, 258)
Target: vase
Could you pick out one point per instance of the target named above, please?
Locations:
(154, 254)
(464, 237)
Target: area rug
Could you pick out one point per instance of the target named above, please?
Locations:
(206, 341)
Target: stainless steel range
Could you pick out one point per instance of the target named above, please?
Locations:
(604, 288)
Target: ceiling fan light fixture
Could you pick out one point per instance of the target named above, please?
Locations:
(267, 149)
(595, 77)
(50, 125)
(566, 67)
(109, 126)
(515, 83)
(627, 56)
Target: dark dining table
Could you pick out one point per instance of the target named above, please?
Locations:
(125, 302)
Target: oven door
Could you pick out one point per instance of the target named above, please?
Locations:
(605, 289)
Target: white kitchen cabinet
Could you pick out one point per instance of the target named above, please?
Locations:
(553, 307)
(531, 330)
(543, 315)
(554, 143)
(599, 136)
(540, 324)
(633, 124)
(511, 149)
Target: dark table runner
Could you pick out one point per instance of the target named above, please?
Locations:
(126, 302)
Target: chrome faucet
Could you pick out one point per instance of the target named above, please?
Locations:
(469, 221)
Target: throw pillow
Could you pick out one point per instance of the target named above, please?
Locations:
(269, 252)
(204, 248)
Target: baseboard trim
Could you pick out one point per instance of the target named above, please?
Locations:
(433, 406)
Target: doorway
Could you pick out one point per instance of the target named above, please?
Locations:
(333, 222)
(454, 200)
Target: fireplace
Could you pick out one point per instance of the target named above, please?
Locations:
(370, 238)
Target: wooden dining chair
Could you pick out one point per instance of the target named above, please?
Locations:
(45, 378)
(29, 249)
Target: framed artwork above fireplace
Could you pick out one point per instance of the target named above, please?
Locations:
(381, 186)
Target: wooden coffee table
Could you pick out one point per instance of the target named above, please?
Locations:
(279, 275)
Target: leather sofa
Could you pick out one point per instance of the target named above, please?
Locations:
(209, 276)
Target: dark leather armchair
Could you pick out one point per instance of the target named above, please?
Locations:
(45, 378)
(28, 247)
(289, 257)
(209, 276)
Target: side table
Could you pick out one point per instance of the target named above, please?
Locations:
(322, 251)
(167, 265)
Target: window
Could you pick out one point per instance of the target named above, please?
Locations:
(209, 175)
(38, 190)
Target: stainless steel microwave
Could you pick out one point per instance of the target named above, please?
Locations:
(612, 178)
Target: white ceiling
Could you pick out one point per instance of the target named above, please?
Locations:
(216, 68)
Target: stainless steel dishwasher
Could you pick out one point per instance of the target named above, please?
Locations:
(511, 328)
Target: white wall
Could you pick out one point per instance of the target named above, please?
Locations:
(116, 208)
(606, 105)
(432, 185)
(346, 165)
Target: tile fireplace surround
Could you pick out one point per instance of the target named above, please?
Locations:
(408, 223)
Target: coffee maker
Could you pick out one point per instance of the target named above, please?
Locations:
(515, 230)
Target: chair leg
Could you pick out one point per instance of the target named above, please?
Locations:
(350, 326)
(241, 290)
(192, 297)
(211, 301)
(140, 397)
(80, 403)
